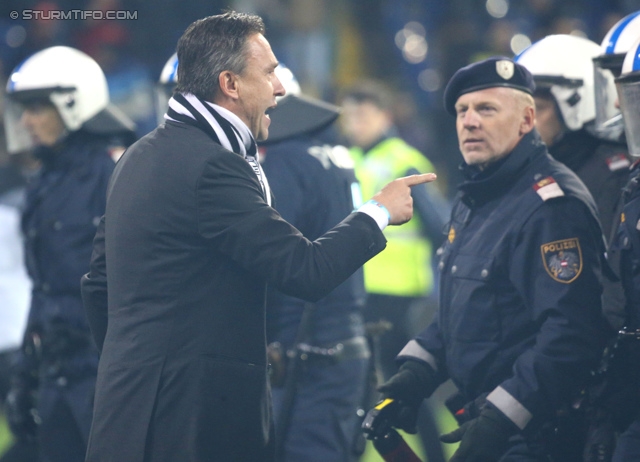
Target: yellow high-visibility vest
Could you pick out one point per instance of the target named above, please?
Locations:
(403, 268)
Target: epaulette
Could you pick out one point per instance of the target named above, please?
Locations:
(618, 162)
(547, 188)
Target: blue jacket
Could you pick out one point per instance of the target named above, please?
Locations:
(63, 208)
(314, 184)
(520, 291)
(625, 247)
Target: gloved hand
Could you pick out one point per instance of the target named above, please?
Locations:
(20, 413)
(483, 439)
(414, 382)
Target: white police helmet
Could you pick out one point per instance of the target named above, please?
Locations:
(164, 88)
(563, 65)
(297, 114)
(73, 83)
(628, 84)
(608, 65)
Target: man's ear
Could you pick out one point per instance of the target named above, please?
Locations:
(528, 120)
(228, 84)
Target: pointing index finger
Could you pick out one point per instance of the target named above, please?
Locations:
(413, 180)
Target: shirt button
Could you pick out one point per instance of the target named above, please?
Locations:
(625, 241)
(57, 225)
(96, 221)
(441, 265)
(439, 251)
(454, 268)
(484, 273)
(61, 381)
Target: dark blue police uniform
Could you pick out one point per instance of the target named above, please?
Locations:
(520, 293)
(625, 252)
(314, 186)
(63, 208)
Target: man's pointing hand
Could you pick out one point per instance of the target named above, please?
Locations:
(396, 196)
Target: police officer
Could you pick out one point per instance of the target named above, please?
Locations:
(626, 246)
(313, 181)
(58, 105)
(519, 324)
(563, 71)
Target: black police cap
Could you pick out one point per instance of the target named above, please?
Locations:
(497, 71)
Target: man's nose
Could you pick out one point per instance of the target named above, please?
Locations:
(470, 119)
(278, 88)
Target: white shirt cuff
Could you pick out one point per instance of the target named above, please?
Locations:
(377, 211)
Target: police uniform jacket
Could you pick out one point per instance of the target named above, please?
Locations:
(63, 207)
(625, 247)
(187, 246)
(603, 167)
(314, 186)
(520, 309)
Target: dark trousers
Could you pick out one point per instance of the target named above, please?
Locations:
(323, 422)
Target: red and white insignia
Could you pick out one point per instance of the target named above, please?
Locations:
(618, 162)
(547, 188)
(562, 259)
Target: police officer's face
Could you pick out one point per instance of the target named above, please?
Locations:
(548, 123)
(491, 122)
(43, 123)
(258, 86)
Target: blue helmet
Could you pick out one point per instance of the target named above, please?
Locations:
(608, 65)
(628, 84)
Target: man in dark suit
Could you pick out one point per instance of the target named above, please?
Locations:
(187, 245)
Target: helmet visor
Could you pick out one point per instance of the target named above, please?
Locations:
(608, 122)
(629, 91)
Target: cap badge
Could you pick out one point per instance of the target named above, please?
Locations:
(505, 69)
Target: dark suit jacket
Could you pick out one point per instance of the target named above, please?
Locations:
(183, 256)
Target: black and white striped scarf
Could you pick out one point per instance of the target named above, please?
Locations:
(223, 126)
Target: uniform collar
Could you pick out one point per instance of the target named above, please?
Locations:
(482, 186)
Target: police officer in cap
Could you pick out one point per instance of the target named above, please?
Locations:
(519, 325)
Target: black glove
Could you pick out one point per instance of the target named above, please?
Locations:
(483, 439)
(414, 382)
(20, 413)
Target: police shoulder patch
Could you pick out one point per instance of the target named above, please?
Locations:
(618, 162)
(547, 188)
(562, 259)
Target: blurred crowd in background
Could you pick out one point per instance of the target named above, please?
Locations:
(413, 45)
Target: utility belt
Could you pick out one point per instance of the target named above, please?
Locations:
(312, 355)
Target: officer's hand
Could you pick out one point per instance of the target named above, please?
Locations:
(414, 382)
(396, 196)
(20, 413)
(483, 439)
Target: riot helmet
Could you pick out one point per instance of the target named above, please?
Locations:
(628, 85)
(70, 81)
(562, 67)
(608, 65)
